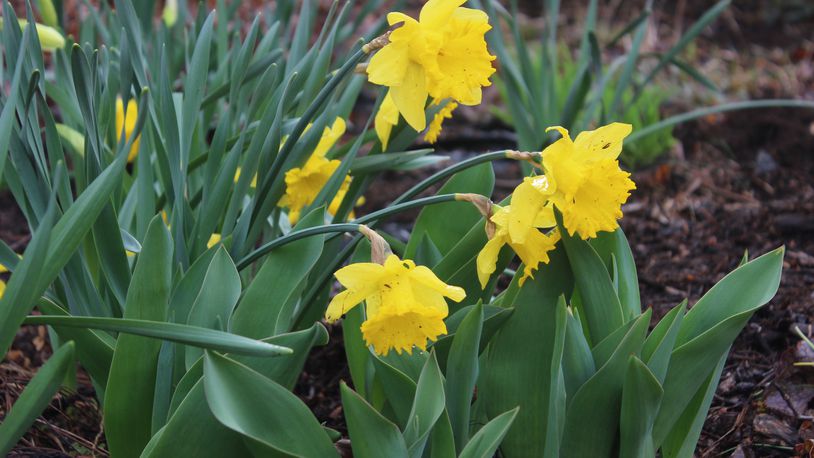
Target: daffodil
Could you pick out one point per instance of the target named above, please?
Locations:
(528, 241)
(2, 288)
(127, 121)
(435, 126)
(590, 185)
(303, 184)
(405, 303)
(443, 55)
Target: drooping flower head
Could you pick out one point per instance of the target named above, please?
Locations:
(126, 120)
(590, 185)
(442, 55)
(405, 303)
(528, 241)
(303, 184)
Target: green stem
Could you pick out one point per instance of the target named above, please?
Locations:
(339, 228)
(293, 237)
(449, 171)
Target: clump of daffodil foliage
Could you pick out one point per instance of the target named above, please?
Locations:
(193, 186)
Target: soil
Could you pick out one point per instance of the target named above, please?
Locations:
(732, 184)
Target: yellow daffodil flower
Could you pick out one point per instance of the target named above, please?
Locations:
(303, 184)
(442, 55)
(127, 121)
(435, 126)
(2, 288)
(530, 244)
(405, 303)
(590, 185)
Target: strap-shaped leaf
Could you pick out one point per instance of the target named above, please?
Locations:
(641, 394)
(600, 305)
(486, 441)
(522, 366)
(257, 407)
(462, 373)
(428, 405)
(131, 383)
(591, 423)
(707, 332)
(372, 435)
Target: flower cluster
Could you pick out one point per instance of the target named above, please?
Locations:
(442, 55)
(582, 180)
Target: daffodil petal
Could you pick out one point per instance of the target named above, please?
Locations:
(427, 278)
(604, 142)
(487, 259)
(411, 96)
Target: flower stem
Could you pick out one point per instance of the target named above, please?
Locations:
(293, 237)
(352, 226)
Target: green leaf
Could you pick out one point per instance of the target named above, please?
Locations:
(22, 289)
(660, 343)
(641, 394)
(286, 369)
(600, 304)
(258, 408)
(179, 333)
(71, 229)
(494, 317)
(371, 434)
(93, 349)
(194, 86)
(131, 383)
(522, 365)
(462, 373)
(577, 360)
(399, 389)
(266, 307)
(215, 302)
(613, 246)
(706, 335)
(592, 420)
(486, 441)
(684, 436)
(36, 396)
(744, 289)
(428, 405)
(446, 223)
(203, 436)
